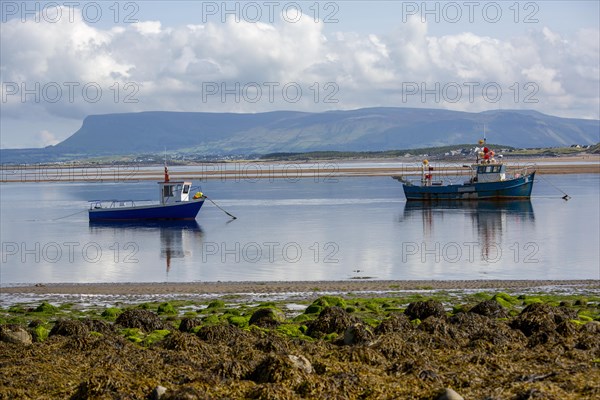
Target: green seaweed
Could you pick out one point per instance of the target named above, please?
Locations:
(302, 318)
(239, 321)
(17, 309)
(505, 300)
(46, 308)
(215, 304)
(531, 300)
(325, 301)
(133, 334)
(211, 320)
(111, 313)
(293, 330)
(40, 333)
(155, 336)
(166, 308)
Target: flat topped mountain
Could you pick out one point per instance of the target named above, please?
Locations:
(367, 129)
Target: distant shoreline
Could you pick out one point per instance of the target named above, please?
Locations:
(252, 170)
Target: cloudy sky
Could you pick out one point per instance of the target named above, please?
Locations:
(61, 61)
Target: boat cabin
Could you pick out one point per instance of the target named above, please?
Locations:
(490, 172)
(174, 192)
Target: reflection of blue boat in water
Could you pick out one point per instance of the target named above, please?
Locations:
(177, 237)
(175, 204)
(161, 225)
(489, 180)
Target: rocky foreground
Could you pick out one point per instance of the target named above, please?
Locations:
(478, 346)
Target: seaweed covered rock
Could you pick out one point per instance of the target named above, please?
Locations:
(330, 320)
(188, 324)
(395, 323)
(184, 393)
(479, 329)
(592, 327)
(14, 334)
(541, 318)
(69, 328)
(145, 320)
(232, 369)
(323, 302)
(438, 326)
(490, 308)
(272, 391)
(100, 326)
(267, 318)
(272, 342)
(423, 309)
(97, 386)
(357, 333)
(278, 368)
(183, 342)
(226, 334)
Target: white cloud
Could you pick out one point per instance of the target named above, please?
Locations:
(47, 139)
(148, 27)
(167, 68)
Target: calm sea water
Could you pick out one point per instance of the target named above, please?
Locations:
(301, 229)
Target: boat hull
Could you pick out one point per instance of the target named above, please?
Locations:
(179, 211)
(518, 188)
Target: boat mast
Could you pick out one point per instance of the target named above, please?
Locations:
(484, 140)
(166, 169)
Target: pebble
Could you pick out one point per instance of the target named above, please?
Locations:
(15, 335)
(301, 363)
(450, 394)
(158, 392)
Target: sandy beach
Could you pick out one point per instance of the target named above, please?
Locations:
(252, 170)
(221, 288)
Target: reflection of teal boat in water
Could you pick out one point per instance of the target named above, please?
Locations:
(517, 207)
(489, 220)
(489, 180)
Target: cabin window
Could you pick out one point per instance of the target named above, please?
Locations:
(186, 189)
(488, 168)
(168, 191)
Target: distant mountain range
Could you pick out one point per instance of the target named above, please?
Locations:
(367, 129)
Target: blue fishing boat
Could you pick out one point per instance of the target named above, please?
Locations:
(175, 204)
(489, 180)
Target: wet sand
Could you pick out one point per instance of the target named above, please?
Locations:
(289, 287)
